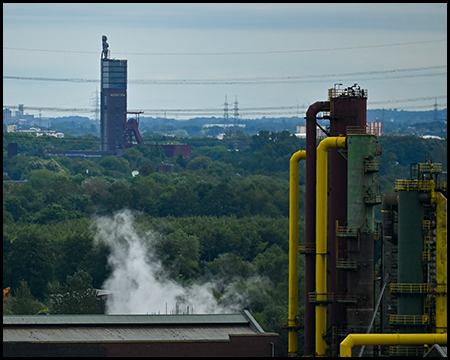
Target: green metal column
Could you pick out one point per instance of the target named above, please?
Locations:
(410, 269)
(362, 188)
(362, 196)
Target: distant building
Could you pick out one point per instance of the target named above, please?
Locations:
(223, 125)
(76, 153)
(34, 130)
(7, 116)
(166, 168)
(171, 151)
(11, 127)
(53, 133)
(301, 132)
(432, 137)
(375, 128)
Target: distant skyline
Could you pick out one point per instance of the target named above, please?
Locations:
(183, 59)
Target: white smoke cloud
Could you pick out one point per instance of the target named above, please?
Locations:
(138, 282)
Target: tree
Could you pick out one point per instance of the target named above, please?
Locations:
(74, 250)
(181, 161)
(86, 167)
(116, 167)
(273, 263)
(51, 213)
(51, 165)
(143, 195)
(221, 169)
(23, 303)
(77, 296)
(97, 188)
(59, 187)
(16, 166)
(219, 201)
(201, 162)
(181, 254)
(40, 178)
(120, 195)
(260, 140)
(32, 259)
(146, 169)
(7, 217)
(13, 206)
(229, 267)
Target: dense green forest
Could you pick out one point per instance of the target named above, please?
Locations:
(221, 215)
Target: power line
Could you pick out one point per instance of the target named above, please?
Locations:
(429, 106)
(215, 111)
(324, 78)
(257, 80)
(408, 100)
(35, 78)
(236, 52)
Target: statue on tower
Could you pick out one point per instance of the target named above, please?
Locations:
(105, 46)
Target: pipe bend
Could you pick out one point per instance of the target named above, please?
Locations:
(329, 142)
(349, 341)
(297, 156)
(389, 199)
(389, 339)
(315, 108)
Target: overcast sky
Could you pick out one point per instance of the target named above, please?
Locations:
(281, 57)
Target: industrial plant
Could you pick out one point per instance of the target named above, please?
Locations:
(380, 286)
(373, 288)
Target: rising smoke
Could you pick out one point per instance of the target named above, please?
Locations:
(140, 285)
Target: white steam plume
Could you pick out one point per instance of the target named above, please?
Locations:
(138, 282)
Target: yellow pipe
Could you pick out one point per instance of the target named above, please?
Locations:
(389, 339)
(441, 263)
(293, 252)
(321, 238)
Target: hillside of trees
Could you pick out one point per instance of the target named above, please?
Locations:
(223, 214)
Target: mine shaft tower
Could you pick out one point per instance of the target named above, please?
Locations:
(113, 100)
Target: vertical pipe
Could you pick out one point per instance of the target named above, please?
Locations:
(293, 252)
(321, 238)
(441, 263)
(310, 220)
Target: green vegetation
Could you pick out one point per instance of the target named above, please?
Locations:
(224, 213)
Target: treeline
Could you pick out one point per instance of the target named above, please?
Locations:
(49, 196)
(394, 123)
(191, 246)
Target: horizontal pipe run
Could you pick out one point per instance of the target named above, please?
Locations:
(389, 339)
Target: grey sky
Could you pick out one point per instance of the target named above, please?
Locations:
(290, 53)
